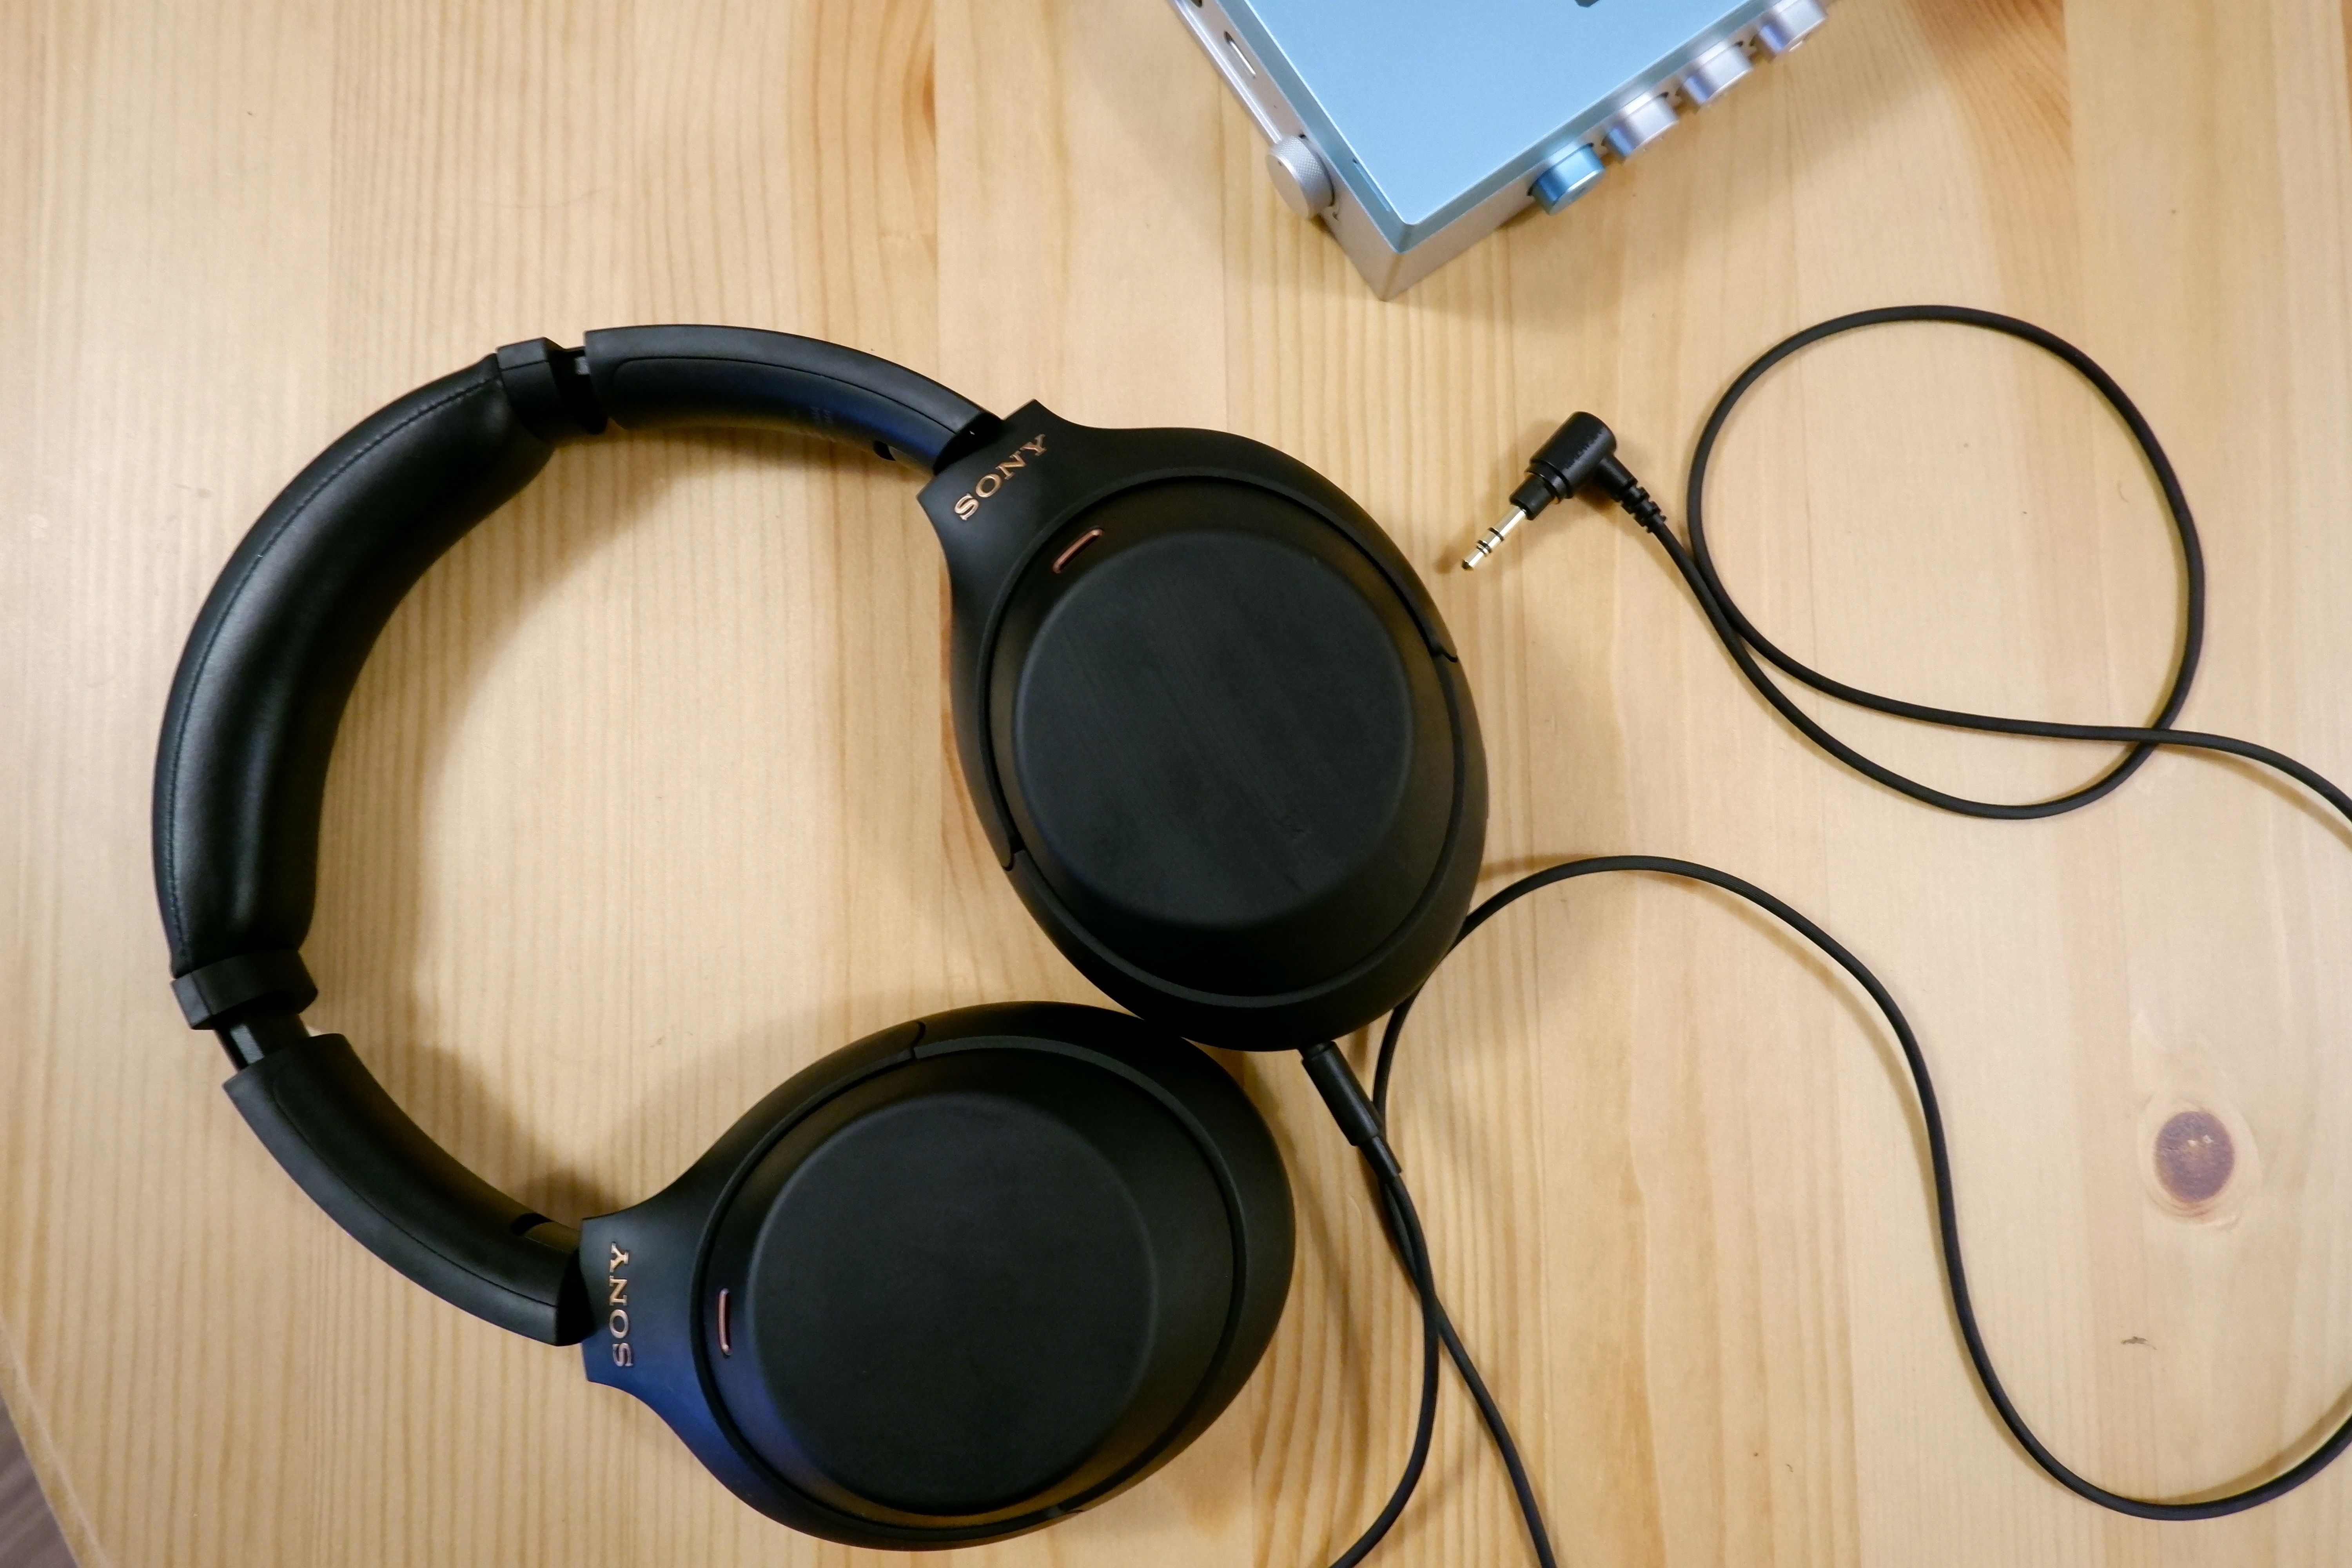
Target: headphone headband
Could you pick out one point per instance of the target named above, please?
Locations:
(241, 770)
(1225, 751)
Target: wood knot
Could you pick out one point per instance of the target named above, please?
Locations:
(2195, 1158)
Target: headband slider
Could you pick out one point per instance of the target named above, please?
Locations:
(551, 390)
(211, 995)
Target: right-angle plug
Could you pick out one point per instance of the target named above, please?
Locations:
(1579, 452)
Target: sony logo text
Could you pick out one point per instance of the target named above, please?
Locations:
(616, 1289)
(994, 480)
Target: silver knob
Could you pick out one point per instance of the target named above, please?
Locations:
(1300, 176)
(1639, 123)
(1788, 24)
(1714, 73)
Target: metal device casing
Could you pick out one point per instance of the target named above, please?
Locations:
(1434, 123)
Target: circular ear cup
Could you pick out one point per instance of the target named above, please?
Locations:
(962, 1277)
(974, 1287)
(1235, 762)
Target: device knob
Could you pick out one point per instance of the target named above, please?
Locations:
(1301, 176)
(1639, 123)
(1567, 178)
(1788, 24)
(1716, 72)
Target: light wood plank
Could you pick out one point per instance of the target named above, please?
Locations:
(646, 801)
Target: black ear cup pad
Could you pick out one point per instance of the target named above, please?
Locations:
(959, 1279)
(1222, 741)
(973, 1288)
(1246, 793)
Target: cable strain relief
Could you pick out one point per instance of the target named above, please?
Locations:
(1617, 481)
(1349, 1106)
(1535, 494)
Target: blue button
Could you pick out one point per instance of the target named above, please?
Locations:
(1571, 174)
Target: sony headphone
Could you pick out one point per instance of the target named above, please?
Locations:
(985, 1268)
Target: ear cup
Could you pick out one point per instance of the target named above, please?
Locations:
(957, 1279)
(972, 1289)
(1221, 739)
(1214, 723)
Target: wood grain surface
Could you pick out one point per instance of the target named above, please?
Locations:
(647, 800)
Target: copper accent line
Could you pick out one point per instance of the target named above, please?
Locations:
(725, 1345)
(1088, 536)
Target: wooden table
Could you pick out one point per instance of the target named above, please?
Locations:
(645, 799)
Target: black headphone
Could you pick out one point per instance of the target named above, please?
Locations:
(983, 1269)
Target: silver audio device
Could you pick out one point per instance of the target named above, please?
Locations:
(1412, 131)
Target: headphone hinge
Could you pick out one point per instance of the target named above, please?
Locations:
(549, 387)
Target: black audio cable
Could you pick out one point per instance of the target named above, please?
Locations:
(1581, 455)
(1364, 1128)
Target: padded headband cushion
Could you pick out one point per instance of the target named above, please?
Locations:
(242, 769)
(241, 772)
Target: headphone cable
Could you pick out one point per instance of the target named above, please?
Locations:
(1364, 1127)
(1582, 453)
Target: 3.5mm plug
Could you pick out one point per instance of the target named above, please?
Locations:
(1582, 452)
